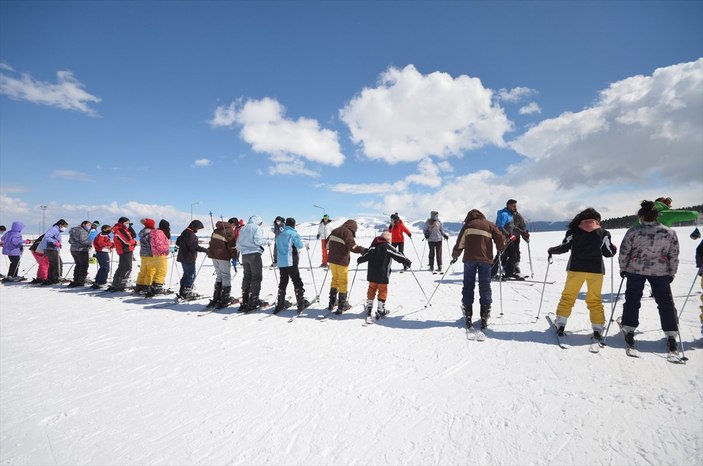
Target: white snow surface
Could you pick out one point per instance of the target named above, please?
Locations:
(97, 379)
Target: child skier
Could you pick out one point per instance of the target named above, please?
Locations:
(379, 257)
(288, 245)
(103, 246)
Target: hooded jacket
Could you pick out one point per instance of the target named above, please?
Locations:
(251, 238)
(188, 247)
(222, 242)
(476, 239)
(122, 239)
(650, 249)
(79, 239)
(12, 240)
(434, 230)
(52, 239)
(588, 243)
(341, 242)
(379, 257)
(288, 243)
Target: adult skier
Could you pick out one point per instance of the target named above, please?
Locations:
(146, 267)
(124, 243)
(51, 245)
(340, 244)
(251, 244)
(223, 250)
(160, 239)
(188, 249)
(510, 256)
(397, 229)
(434, 233)
(288, 245)
(79, 239)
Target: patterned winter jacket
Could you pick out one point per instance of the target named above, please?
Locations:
(223, 243)
(79, 239)
(341, 242)
(477, 237)
(379, 257)
(145, 242)
(588, 244)
(650, 249)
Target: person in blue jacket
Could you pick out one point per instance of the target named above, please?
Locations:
(510, 256)
(251, 242)
(51, 245)
(288, 245)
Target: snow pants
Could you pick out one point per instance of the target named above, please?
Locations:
(324, 251)
(42, 265)
(80, 269)
(53, 256)
(471, 268)
(381, 288)
(292, 273)
(340, 278)
(188, 277)
(147, 271)
(435, 250)
(223, 270)
(124, 270)
(160, 269)
(594, 299)
(253, 273)
(661, 289)
(14, 265)
(103, 267)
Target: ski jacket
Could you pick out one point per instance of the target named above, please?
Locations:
(145, 242)
(288, 244)
(341, 242)
(79, 240)
(103, 243)
(12, 243)
(324, 230)
(650, 249)
(160, 244)
(52, 239)
(476, 239)
(251, 237)
(122, 239)
(504, 221)
(397, 229)
(223, 245)
(379, 257)
(434, 230)
(699, 255)
(188, 247)
(588, 244)
(35, 245)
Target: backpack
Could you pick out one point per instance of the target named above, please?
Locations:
(36, 243)
(160, 245)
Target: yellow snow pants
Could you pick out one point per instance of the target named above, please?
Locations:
(594, 299)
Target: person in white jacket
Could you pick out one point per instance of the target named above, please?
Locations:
(323, 232)
(250, 243)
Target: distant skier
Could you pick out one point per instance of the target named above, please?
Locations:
(434, 233)
(160, 239)
(476, 238)
(188, 249)
(124, 243)
(397, 229)
(510, 256)
(340, 244)
(146, 267)
(379, 257)
(288, 245)
(12, 247)
(79, 239)
(588, 243)
(649, 253)
(323, 232)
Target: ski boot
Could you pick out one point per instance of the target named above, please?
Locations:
(281, 302)
(561, 325)
(485, 315)
(300, 300)
(629, 338)
(342, 304)
(369, 307)
(467, 310)
(381, 310)
(333, 299)
(216, 295)
(155, 289)
(597, 333)
(671, 345)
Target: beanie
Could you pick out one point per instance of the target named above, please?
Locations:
(148, 223)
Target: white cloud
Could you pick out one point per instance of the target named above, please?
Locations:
(530, 109)
(428, 175)
(12, 207)
(12, 189)
(202, 163)
(6, 67)
(70, 175)
(641, 128)
(288, 142)
(67, 93)
(410, 116)
(515, 94)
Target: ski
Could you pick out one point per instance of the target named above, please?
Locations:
(594, 346)
(629, 350)
(474, 334)
(673, 357)
(560, 339)
(371, 320)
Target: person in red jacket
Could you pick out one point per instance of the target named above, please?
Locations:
(397, 228)
(124, 245)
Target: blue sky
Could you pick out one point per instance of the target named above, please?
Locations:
(363, 108)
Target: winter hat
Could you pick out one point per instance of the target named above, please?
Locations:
(290, 222)
(395, 216)
(196, 225)
(325, 217)
(122, 220)
(3, 228)
(148, 223)
(96, 223)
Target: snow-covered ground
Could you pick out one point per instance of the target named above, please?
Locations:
(97, 379)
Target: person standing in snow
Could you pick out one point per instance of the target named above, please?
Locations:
(699, 264)
(288, 245)
(146, 267)
(51, 245)
(277, 228)
(340, 244)
(510, 256)
(160, 248)
(94, 231)
(379, 256)
(397, 228)
(188, 249)
(649, 253)
(12, 247)
(434, 233)
(124, 244)
(520, 230)
(588, 243)
(236, 226)
(251, 244)
(476, 239)
(79, 239)
(323, 232)
(42, 262)
(103, 246)
(222, 251)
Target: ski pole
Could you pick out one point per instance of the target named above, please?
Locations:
(69, 271)
(322, 286)
(312, 272)
(352, 282)
(544, 285)
(418, 284)
(678, 330)
(449, 251)
(416, 254)
(439, 283)
(612, 312)
(529, 256)
(687, 295)
(611, 277)
(173, 268)
(423, 251)
(109, 276)
(275, 274)
(500, 285)
(28, 269)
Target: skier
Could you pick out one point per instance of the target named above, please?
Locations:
(699, 264)
(476, 238)
(79, 239)
(505, 221)
(222, 251)
(3, 229)
(520, 228)
(379, 257)
(188, 249)
(251, 244)
(397, 228)
(103, 246)
(160, 239)
(588, 243)
(51, 245)
(434, 232)
(323, 232)
(277, 228)
(12, 247)
(649, 252)
(340, 244)
(42, 262)
(94, 231)
(124, 244)
(288, 245)
(146, 268)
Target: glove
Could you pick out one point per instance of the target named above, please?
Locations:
(671, 279)
(550, 252)
(526, 236)
(358, 260)
(446, 237)
(512, 238)
(408, 264)
(623, 274)
(700, 271)
(613, 248)
(453, 260)
(58, 244)
(318, 236)
(427, 236)
(410, 235)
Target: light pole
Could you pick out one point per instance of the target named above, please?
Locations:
(43, 218)
(323, 209)
(191, 209)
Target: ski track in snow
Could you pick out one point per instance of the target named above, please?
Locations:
(83, 383)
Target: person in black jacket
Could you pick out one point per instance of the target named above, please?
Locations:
(379, 257)
(188, 249)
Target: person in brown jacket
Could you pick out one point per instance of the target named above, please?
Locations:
(339, 245)
(476, 239)
(222, 251)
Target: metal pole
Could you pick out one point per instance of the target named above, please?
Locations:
(322, 285)
(436, 287)
(612, 312)
(544, 285)
(312, 272)
(418, 284)
(529, 255)
(687, 295)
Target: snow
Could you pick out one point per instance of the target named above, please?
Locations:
(98, 379)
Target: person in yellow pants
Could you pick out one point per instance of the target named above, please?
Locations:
(340, 244)
(146, 267)
(588, 243)
(160, 247)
